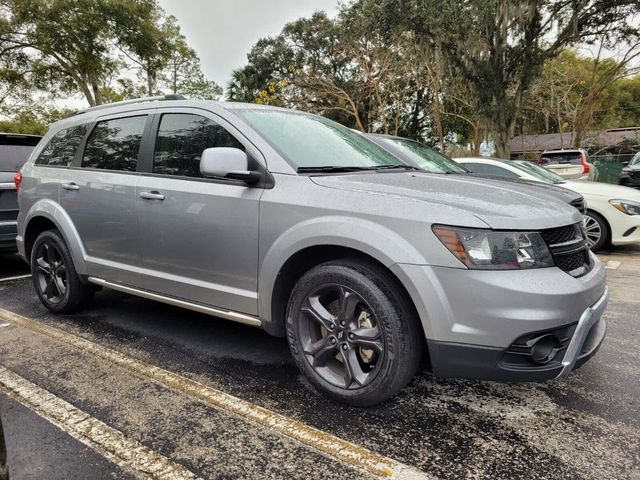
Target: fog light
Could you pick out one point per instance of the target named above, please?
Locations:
(545, 349)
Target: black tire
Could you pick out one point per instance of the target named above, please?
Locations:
(382, 319)
(54, 276)
(595, 224)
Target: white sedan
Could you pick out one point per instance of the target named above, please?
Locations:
(613, 212)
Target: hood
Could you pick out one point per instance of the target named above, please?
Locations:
(563, 194)
(499, 204)
(607, 190)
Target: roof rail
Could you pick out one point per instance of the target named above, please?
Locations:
(171, 96)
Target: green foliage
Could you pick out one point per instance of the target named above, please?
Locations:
(88, 46)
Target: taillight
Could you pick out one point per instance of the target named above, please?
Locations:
(585, 165)
(17, 179)
(539, 160)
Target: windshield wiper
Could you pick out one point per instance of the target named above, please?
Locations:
(332, 168)
(397, 165)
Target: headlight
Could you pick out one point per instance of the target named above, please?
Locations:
(625, 206)
(491, 250)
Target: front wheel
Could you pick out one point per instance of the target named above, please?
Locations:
(352, 332)
(596, 229)
(54, 277)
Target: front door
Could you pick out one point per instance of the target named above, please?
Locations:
(198, 237)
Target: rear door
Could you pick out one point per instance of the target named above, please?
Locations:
(98, 193)
(566, 164)
(199, 236)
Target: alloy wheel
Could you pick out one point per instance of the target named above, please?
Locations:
(593, 230)
(51, 272)
(340, 336)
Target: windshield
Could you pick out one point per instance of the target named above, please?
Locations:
(635, 160)
(539, 172)
(309, 141)
(424, 157)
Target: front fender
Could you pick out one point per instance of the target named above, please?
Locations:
(53, 212)
(362, 235)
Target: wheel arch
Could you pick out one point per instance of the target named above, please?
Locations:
(47, 215)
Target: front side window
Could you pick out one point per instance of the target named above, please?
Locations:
(115, 144)
(309, 141)
(182, 137)
(62, 148)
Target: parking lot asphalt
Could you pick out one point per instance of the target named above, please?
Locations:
(583, 426)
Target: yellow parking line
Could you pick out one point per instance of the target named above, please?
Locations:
(107, 441)
(335, 447)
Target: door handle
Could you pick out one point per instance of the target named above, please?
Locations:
(70, 186)
(153, 195)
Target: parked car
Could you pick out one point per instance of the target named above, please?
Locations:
(630, 174)
(569, 164)
(613, 212)
(14, 151)
(296, 224)
(429, 160)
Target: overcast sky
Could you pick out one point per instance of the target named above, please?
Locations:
(223, 31)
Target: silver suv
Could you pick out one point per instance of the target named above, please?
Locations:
(292, 223)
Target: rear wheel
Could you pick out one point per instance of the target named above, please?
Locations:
(55, 279)
(596, 229)
(352, 332)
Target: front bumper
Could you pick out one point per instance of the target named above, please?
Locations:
(478, 322)
(8, 232)
(492, 363)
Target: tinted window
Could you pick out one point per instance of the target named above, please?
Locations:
(499, 171)
(62, 147)
(15, 150)
(115, 144)
(475, 167)
(573, 158)
(181, 139)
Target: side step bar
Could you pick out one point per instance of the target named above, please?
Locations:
(227, 314)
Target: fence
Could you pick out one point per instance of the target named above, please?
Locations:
(609, 165)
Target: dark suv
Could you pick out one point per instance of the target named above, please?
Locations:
(14, 152)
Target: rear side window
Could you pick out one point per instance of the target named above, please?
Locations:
(62, 147)
(181, 139)
(573, 158)
(115, 144)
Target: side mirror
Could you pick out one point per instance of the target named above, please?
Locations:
(224, 162)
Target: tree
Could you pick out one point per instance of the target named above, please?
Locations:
(578, 93)
(498, 47)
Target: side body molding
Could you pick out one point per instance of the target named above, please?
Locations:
(55, 213)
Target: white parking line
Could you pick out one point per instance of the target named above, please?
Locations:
(17, 277)
(107, 441)
(613, 265)
(349, 453)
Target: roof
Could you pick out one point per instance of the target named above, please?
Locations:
(556, 141)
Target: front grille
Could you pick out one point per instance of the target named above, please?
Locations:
(573, 261)
(556, 236)
(569, 249)
(580, 204)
